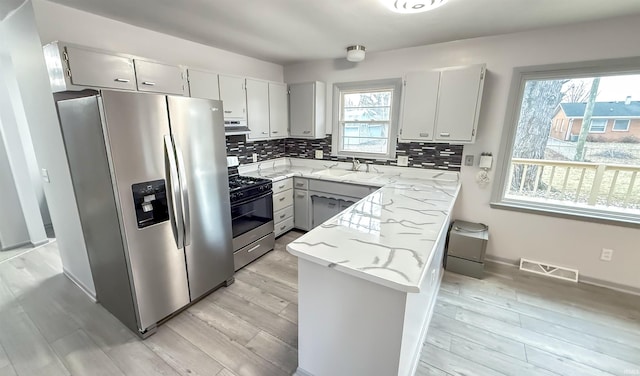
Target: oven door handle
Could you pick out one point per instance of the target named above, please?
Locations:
(252, 199)
(173, 186)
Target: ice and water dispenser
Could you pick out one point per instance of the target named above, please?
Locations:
(150, 200)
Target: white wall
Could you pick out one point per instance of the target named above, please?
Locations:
(21, 40)
(57, 22)
(513, 235)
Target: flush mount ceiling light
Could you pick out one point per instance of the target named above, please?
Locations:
(355, 53)
(413, 6)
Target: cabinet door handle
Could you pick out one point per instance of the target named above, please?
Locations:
(228, 112)
(282, 216)
(254, 248)
(424, 134)
(283, 227)
(282, 186)
(332, 205)
(148, 83)
(274, 131)
(299, 185)
(282, 198)
(445, 134)
(121, 80)
(306, 132)
(262, 132)
(300, 196)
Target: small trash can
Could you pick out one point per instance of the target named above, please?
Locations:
(466, 248)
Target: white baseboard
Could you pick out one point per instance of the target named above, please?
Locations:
(301, 372)
(583, 279)
(82, 287)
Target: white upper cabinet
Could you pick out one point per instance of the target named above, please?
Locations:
(307, 110)
(160, 78)
(257, 109)
(233, 96)
(442, 105)
(278, 110)
(459, 103)
(203, 84)
(73, 67)
(420, 96)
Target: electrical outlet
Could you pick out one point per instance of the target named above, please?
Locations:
(468, 160)
(255, 157)
(319, 154)
(403, 160)
(606, 254)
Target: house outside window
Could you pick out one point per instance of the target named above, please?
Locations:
(591, 171)
(366, 119)
(621, 125)
(598, 126)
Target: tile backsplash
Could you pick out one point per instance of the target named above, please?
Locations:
(421, 154)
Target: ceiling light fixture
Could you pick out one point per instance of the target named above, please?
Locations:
(413, 6)
(355, 53)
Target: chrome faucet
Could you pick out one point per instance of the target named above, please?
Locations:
(355, 164)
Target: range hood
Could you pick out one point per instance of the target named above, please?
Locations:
(235, 126)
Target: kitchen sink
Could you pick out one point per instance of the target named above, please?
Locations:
(364, 175)
(333, 172)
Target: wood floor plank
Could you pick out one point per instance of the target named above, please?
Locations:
(560, 365)
(230, 354)
(491, 340)
(257, 296)
(272, 286)
(480, 284)
(546, 343)
(135, 359)
(180, 354)
(81, 356)
(8, 371)
(454, 364)
(485, 309)
(495, 360)
(578, 337)
(225, 372)
(625, 337)
(275, 270)
(425, 369)
(4, 358)
(439, 338)
(290, 313)
(275, 351)
(28, 351)
(48, 315)
(226, 322)
(259, 317)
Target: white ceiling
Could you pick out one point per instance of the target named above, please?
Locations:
(287, 31)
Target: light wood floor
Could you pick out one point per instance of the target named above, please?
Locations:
(507, 324)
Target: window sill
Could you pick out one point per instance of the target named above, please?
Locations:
(579, 214)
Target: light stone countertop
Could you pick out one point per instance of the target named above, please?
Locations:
(388, 237)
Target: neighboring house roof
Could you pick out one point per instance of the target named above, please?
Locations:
(603, 109)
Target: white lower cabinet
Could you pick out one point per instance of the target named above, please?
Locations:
(301, 204)
(283, 208)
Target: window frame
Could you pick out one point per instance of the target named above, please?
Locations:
(609, 67)
(394, 84)
(613, 127)
(604, 130)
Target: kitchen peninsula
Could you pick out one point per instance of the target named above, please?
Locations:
(369, 276)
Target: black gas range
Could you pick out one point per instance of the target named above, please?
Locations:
(251, 217)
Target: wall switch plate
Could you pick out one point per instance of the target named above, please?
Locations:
(403, 160)
(255, 157)
(319, 154)
(468, 160)
(606, 254)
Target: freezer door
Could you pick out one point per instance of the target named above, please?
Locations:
(197, 126)
(135, 125)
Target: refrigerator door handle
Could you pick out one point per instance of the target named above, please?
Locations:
(173, 184)
(184, 193)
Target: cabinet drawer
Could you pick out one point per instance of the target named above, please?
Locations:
(245, 255)
(300, 183)
(283, 227)
(159, 78)
(343, 189)
(282, 215)
(92, 68)
(282, 185)
(301, 207)
(282, 200)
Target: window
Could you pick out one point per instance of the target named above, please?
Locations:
(366, 118)
(589, 174)
(598, 126)
(621, 125)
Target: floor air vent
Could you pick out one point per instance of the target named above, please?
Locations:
(549, 270)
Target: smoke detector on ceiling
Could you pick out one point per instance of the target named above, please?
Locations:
(413, 6)
(355, 53)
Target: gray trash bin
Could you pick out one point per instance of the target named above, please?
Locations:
(466, 248)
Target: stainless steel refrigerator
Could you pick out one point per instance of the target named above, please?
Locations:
(150, 178)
